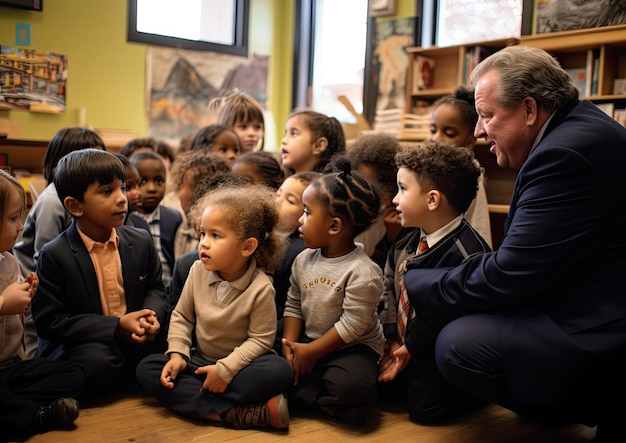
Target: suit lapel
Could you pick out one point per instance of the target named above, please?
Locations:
(87, 271)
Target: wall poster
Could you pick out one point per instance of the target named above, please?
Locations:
(180, 83)
(32, 80)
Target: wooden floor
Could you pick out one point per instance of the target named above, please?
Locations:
(141, 419)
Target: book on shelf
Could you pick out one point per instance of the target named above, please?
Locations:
(388, 120)
(473, 56)
(588, 73)
(423, 73)
(595, 73)
(579, 77)
(619, 86)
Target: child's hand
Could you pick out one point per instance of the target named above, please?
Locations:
(287, 351)
(151, 325)
(130, 328)
(302, 359)
(172, 368)
(213, 382)
(394, 361)
(34, 283)
(15, 298)
(391, 219)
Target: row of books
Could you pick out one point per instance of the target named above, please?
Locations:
(402, 125)
(473, 56)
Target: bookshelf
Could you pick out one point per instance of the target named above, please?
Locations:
(601, 52)
(601, 48)
(451, 66)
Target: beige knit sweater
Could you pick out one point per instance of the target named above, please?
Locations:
(233, 326)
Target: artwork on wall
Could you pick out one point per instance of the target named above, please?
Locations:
(471, 21)
(181, 83)
(32, 80)
(390, 61)
(563, 15)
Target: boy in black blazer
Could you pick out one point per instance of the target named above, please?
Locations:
(101, 301)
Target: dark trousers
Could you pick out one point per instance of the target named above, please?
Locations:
(111, 367)
(528, 364)
(265, 377)
(342, 384)
(30, 384)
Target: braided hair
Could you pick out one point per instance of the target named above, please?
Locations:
(347, 194)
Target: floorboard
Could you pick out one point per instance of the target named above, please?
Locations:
(141, 419)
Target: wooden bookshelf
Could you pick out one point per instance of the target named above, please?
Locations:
(572, 50)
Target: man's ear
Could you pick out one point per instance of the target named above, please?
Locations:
(249, 246)
(530, 110)
(320, 145)
(73, 206)
(336, 224)
(434, 199)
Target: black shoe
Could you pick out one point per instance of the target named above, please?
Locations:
(610, 431)
(60, 413)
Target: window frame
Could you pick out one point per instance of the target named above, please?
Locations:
(239, 48)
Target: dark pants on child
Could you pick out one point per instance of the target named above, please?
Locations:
(342, 384)
(265, 377)
(109, 366)
(30, 384)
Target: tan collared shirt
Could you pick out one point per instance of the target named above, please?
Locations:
(108, 266)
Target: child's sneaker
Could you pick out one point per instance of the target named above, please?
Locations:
(60, 413)
(273, 413)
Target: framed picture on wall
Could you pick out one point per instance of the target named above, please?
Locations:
(389, 61)
(563, 15)
(380, 8)
(470, 21)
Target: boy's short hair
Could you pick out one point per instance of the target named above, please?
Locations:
(451, 170)
(78, 170)
(144, 155)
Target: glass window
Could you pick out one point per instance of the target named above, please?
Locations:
(340, 37)
(211, 25)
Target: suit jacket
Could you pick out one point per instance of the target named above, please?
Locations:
(563, 255)
(67, 309)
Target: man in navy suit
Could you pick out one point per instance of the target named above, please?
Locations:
(539, 325)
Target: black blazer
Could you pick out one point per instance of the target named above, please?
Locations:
(67, 309)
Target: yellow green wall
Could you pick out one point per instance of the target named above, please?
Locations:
(107, 74)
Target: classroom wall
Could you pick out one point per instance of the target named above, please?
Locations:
(107, 75)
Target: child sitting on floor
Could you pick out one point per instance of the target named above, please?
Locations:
(32, 391)
(101, 301)
(229, 374)
(332, 335)
(162, 221)
(436, 184)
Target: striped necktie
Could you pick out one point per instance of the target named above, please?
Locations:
(404, 305)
